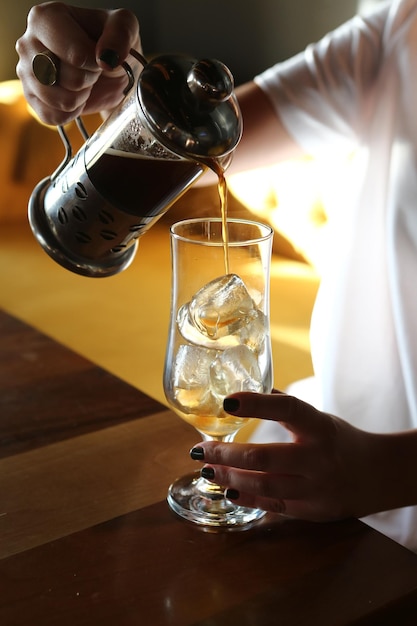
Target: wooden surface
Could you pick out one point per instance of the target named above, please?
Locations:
(86, 536)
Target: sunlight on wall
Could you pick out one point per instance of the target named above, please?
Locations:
(294, 197)
(10, 91)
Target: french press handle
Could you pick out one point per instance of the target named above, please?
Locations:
(79, 122)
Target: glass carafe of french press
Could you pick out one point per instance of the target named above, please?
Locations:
(179, 117)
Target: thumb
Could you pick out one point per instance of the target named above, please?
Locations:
(120, 34)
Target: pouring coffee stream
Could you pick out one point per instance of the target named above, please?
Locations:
(181, 119)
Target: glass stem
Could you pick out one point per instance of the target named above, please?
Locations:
(213, 492)
(221, 438)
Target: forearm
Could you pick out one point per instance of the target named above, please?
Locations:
(265, 140)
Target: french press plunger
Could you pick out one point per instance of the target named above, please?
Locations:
(181, 118)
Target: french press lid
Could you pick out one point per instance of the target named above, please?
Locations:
(190, 106)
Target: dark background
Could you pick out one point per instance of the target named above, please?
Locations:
(247, 36)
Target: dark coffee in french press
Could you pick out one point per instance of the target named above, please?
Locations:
(180, 118)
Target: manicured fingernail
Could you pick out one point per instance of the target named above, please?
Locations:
(207, 472)
(231, 405)
(197, 454)
(231, 494)
(110, 58)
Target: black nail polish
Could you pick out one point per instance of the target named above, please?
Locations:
(207, 472)
(231, 405)
(231, 494)
(110, 58)
(197, 454)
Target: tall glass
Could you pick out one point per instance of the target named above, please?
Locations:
(218, 344)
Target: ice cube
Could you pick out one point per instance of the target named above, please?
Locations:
(191, 380)
(221, 314)
(254, 332)
(219, 307)
(235, 369)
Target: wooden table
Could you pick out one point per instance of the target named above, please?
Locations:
(86, 536)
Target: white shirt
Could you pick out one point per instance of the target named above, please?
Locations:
(356, 90)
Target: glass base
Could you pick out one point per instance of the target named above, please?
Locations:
(202, 502)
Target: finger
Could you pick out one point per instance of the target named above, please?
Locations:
(54, 30)
(259, 484)
(78, 37)
(115, 31)
(277, 458)
(273, 505)
(57, 28)
(106, 94)
(69, 77)
(293, 413)
(297, 509)
(120, 34)
(55, 116)
(304, 509)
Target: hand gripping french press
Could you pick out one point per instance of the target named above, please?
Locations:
(177, 119)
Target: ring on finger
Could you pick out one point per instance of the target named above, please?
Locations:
(45, 67)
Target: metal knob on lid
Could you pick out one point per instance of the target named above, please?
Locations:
(210, 81)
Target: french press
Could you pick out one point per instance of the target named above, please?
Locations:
(178, 118)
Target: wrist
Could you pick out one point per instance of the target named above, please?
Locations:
(392, 470)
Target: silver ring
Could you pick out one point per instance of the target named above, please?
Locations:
(45, 67)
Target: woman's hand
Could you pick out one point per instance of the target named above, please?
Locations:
(90, 45)
(329, 471)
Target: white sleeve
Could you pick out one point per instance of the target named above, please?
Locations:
(324, 95)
